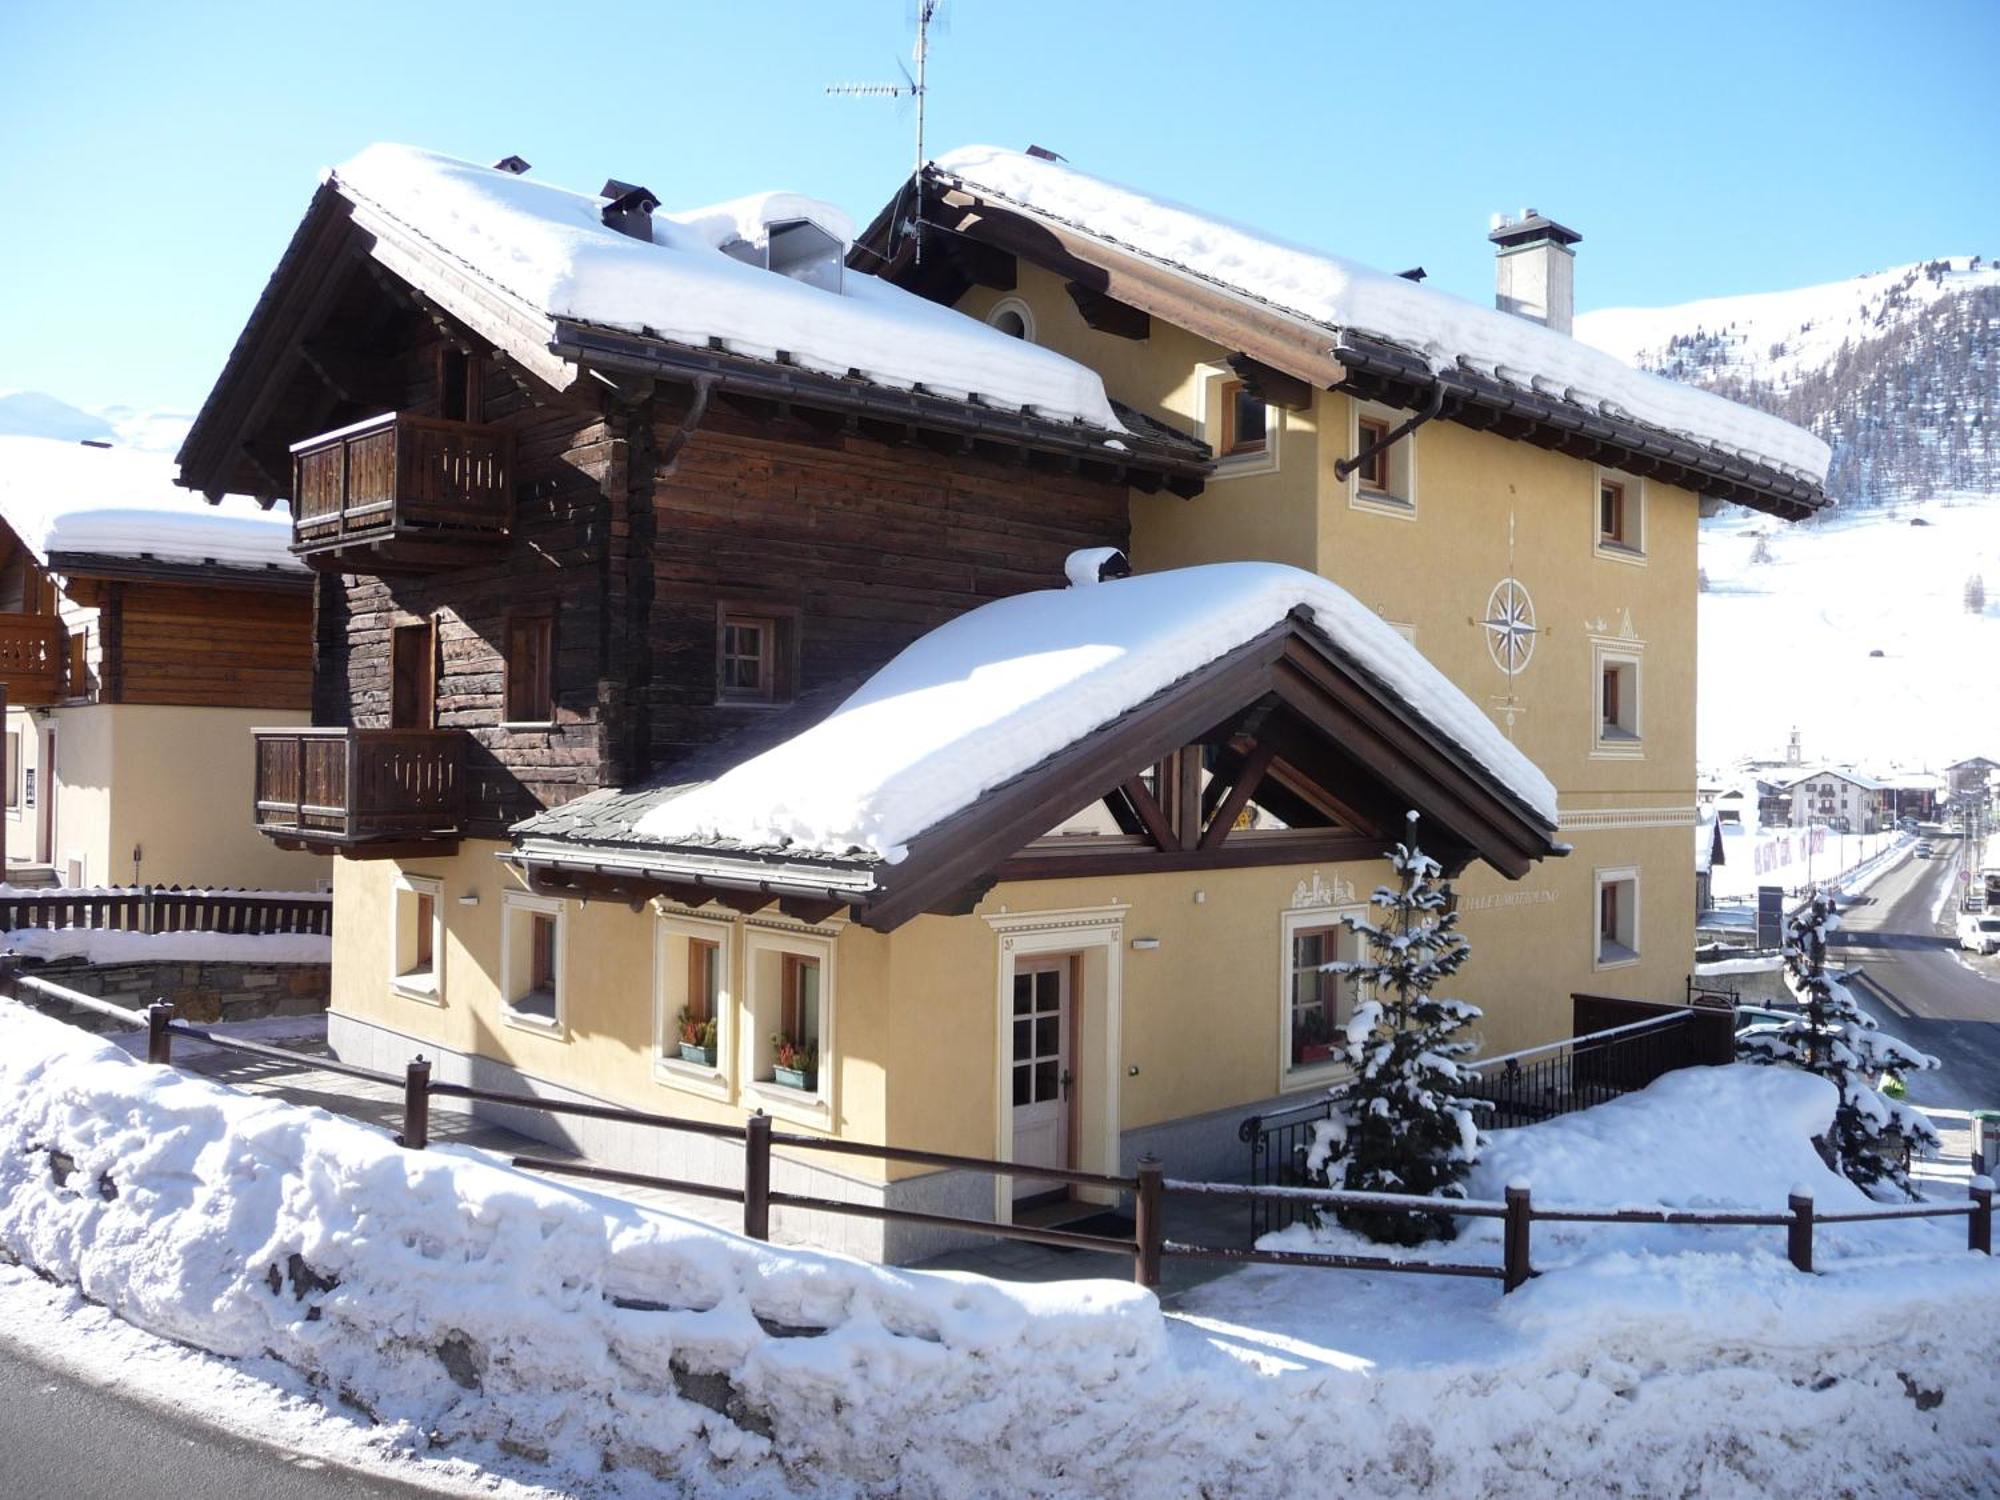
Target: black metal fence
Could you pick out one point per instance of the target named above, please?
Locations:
(1521, 1088)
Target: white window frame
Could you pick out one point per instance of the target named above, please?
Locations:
(1290, 924)
(1627, 954)
(1020, 309)
(1631, 743)
(669, 980)
(515, 905)
(405, 885)
(1210, 379)
(760, 1012)
(1400, 499)
(1633, 553)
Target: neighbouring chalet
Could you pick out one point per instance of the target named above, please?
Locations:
(1521, 507)
(142, 636)
(1847, 801)
(726, 697)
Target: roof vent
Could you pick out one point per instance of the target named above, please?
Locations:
(1091, 565)
(800, 249)
(1043, 153)
(511, 164)
(1415, 273)
(630, 210)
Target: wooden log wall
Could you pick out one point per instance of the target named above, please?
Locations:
(206, 647)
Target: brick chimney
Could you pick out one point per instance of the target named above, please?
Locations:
(1535, 272)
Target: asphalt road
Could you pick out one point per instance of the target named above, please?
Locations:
(65, 1439)
(1918, 986)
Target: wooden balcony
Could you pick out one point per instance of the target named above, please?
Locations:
(31, 659)
(364, 793)
(403, 493)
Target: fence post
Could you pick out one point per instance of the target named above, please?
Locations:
(1515, 1241)
(416, 1104)
(1148, 1229)
(1798, 1234)
(159, 1040)
(147, 920)
(757, 1177)
(1979, 1223)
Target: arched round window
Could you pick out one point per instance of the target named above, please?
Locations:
(1014, 318)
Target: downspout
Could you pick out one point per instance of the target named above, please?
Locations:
(1346, 466)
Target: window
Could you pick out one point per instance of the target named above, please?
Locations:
(1386, 480)
(1621, 517)
(1245, 421)
(530, 669)
(691, 1004)
(1618, 700)
(790, 1013)
(1320, 1002)
(13, 777)
(418, 939)
(79, 664)
(459, 394)
(1617, 918)
(754, 651)
(531, 958)
(413, 689)
(1014, 318)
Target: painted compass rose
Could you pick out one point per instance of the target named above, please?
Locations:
(1510, 625)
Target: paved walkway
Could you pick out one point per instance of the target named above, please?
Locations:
(1191, 1220)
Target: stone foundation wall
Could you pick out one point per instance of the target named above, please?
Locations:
(200, 991)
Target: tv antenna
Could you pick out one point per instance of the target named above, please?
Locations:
(909, 88)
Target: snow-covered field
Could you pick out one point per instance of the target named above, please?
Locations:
(487, 1316)
(1797, 859)
(1792, 641)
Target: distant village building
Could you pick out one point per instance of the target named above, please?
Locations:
(1971, 780)
(1847, 801)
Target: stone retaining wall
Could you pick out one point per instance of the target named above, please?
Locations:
(201, 990)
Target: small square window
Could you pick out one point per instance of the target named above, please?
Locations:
(1384, 481)
(1246, 425)
(530, 669)
(753, 656)
(1621, 517)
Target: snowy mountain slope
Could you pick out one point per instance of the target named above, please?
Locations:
(38, 414)
(1899, 369)
(1789, 635)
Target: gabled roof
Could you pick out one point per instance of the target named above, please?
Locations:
(77, 506)
(994, 728)
(535, 271)
(1329, 322)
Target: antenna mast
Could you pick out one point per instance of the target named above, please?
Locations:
(909, 88)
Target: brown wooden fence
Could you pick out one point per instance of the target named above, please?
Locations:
(1147, 1248)
(150, 908)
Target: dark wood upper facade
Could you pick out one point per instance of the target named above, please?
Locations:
(636, 529)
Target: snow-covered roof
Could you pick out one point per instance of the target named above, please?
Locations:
(1339, 294)
(548, 248)
(79, 500)
(1822, 773)
(997, 691)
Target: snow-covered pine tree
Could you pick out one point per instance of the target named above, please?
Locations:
(1399, 1125)
(1832, 1036)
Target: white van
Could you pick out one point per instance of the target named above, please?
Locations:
(1979, 931)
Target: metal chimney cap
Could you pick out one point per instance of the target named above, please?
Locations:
(1532, 229)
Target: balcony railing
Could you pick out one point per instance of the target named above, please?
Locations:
(31, 659)
(341, 788)
(420, 490)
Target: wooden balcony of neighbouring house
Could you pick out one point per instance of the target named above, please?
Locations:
(402, 493)
(362, 793)
(31, 659)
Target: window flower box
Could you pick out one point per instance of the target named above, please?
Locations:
(697, 1039)
(1315, 1052)
(700, 1056)
(795, 1064)
(797, 1078)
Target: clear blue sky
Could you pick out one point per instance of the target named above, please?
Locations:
(155, 156)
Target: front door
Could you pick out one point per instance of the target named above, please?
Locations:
(1041, 1071)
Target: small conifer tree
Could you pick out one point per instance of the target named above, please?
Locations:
(1400, 1125)
(1872, 1136)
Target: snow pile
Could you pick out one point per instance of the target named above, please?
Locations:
(1341, 294)
(998, 690)
(99, 945)
(472, 1308)
(549, 248)
(111, 502)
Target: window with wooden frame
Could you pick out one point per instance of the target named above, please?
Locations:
(1621, 517)
(1384, 481)
(755, 648)
(1617, 700)
(1246, 421)
(799, 1013)
(530, 693)
(458, 385)
(1321, 1002)
(1617, 918)
(531, 956)
(1372, 472)
(79, 664)
(417, 937)
(692, 1008)
(413, 676)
